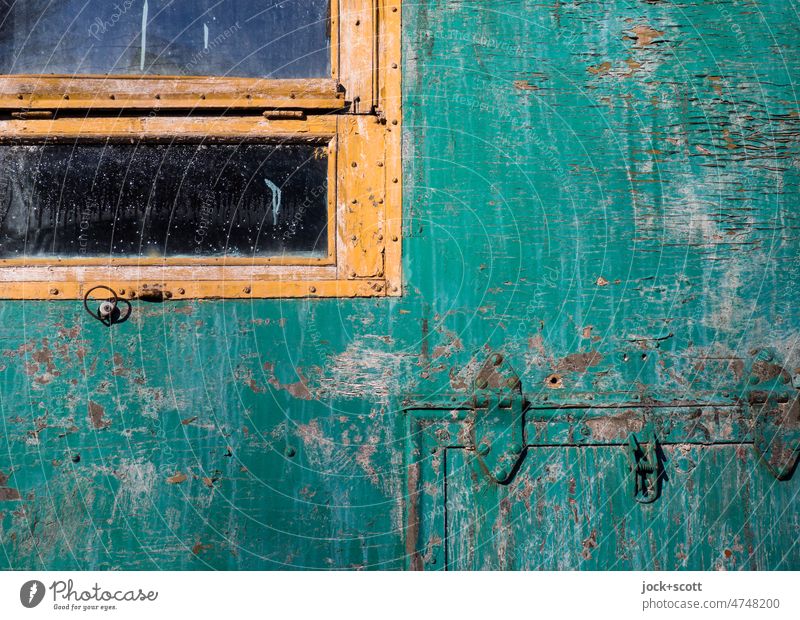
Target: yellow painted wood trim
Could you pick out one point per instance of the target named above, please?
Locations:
(100, 92)
(176, 290)
(169, 129)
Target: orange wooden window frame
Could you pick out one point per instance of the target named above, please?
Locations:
(356, 114)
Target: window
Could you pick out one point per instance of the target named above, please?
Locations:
(213, 148)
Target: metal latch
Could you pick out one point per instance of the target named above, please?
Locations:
(645, 466)
(498, 419)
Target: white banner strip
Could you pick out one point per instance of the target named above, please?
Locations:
(411, 596)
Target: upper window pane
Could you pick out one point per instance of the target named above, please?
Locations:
(234, 38)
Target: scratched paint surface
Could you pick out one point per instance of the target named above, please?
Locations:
(605, 191)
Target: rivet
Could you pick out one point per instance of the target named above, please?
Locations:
(66, 96)
(76, 458)
(501, 473)
(394, 9)
(516, 448)
(394, 237)
(380, 237)
(354, 164)
(484, 449)
(380, 164)
(202, 96)
(290, 451)
(352, 274)
(312, 289)
(380, 273)
(394, 122)
(181, 291)
(112, 96)
(395, 289)
(378, 287)
(355, 201)
(395, 180)
(394, 65)
(54, 291)
(246, 289)
(122, 291)
(158, 96)
(353, 238)
(20, 97)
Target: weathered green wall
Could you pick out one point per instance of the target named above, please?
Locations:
(616, 179)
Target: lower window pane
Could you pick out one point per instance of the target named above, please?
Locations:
(154, 200)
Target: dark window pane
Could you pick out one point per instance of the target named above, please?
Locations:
(151, 200)
(237, 38)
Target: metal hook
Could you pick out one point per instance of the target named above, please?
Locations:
(108, 311)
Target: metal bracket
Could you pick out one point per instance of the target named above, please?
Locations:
(498, 423)
(645, 468)
(776, 436)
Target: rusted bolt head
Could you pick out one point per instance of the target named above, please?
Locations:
(54, 291)
(484, 449)
(181, 291)
(246, 289)
(312, 289)
(497, 359)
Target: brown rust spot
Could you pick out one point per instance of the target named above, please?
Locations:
(198, 547)
(525, 85)
(298, 389)
(601, 281)
(588, 544)
(579, 362)
(615, 427)
(7, 493)
(96, 413)
(600, 69)
(178, 478)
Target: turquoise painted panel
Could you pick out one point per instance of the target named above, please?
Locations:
(571, 509)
